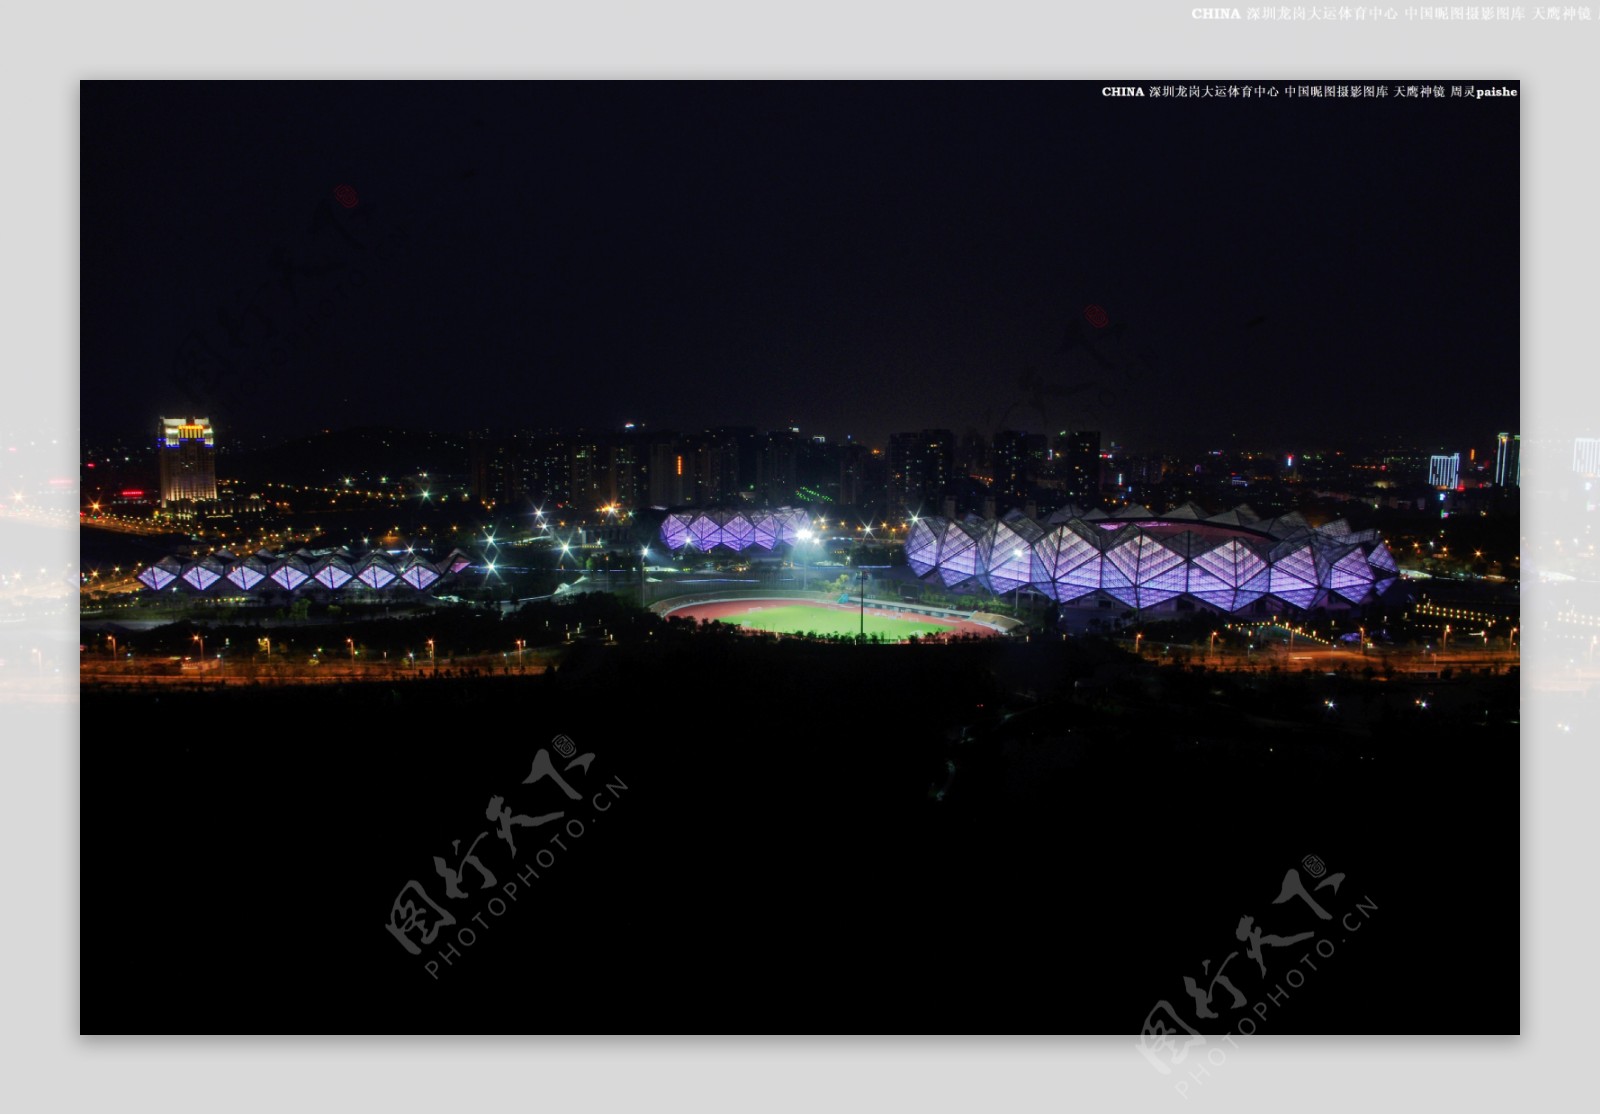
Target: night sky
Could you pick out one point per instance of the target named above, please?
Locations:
(848, 258)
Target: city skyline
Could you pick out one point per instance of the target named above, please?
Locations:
(855, 259)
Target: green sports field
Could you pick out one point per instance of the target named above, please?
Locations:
(791, 619)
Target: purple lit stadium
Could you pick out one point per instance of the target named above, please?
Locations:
(738, 531)
(1236, 562)
(303, 571)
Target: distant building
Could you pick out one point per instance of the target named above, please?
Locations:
(1586, 456)
(1444, 471)
(187, 451)
(1082, 466)
(1235, 563)
(1508, 461)
(921, 468)
(666, 473)
(1013, 466)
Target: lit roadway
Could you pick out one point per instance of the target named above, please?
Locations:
(1407, 660)
(100, 670)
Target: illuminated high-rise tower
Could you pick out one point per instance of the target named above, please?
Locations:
(188, 453)
(1508, 461)
(1444, 470)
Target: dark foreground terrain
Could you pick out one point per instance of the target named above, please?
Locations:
(786, 837)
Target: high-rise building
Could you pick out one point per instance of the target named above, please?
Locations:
(1082, 471)
(1444, 470)
(495, 465)
(187, 450)
(1508, 461)
(1586, 456)
(922, 469)
(1013, 466)
(666, 471)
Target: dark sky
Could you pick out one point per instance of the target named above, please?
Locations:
(850, 258)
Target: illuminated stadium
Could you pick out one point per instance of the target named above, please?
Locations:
(303, 571)
(738, 531)
(1235, 562)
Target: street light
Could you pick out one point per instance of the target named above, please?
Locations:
(804, 537)
(1136, 639)
(202, 642)
(519, 656)
(431, 662)
(113, 639)
(351, 643)
(1211, 647)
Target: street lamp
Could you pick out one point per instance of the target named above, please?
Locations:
(351, 643)
(113, 639)
(804, 537)
(1136, 639)
(1211, 647)
(202, 642)
(519, 656)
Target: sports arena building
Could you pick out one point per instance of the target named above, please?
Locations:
(1236, 563)
(330, 571)
(738, 531)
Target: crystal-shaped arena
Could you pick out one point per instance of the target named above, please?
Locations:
(1235, 562)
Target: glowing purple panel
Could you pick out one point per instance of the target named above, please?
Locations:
(201, 577)
(419, 576)
(1382, 560)
(958, 555)
(1351, 577)
(1119, 572)
(1006, 560)
(1254, 587)
(705, 532)
(1294, 578)
(1069, 564)
(1162, 573)
(738, 532)
(289, 576)
(764, 529)
(458, 563)
(922, 545)
(790, 523)
(1211, 578)
(1220, 563)
(376, 576)
(246, 576)
(332, 576)
(156, 579)
(675, 532)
